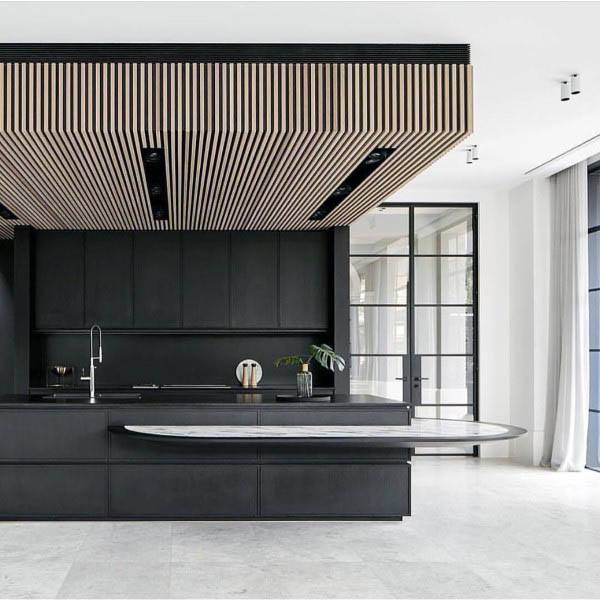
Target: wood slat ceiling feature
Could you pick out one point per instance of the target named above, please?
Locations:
(248, 146)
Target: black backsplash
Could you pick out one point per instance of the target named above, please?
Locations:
(182, 359)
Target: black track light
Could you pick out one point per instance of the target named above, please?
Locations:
(156, 181)
(371, 162)
(6, 213)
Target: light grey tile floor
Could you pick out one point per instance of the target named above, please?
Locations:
(480, 529)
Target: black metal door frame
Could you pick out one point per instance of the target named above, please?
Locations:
(412, 376)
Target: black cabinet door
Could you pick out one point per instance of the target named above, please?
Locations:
(254, 280)
(157, 280)
(108, 279)
(58, 293)
(205, 279)
(304, 279)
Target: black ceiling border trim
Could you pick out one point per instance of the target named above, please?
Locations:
(241, 53)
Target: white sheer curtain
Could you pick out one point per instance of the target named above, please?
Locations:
(567, 415)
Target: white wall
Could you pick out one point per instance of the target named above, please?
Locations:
(494, 331)
(529, 304)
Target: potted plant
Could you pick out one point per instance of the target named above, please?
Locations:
(323, 354)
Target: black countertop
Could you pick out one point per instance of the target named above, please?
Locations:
(149, 398)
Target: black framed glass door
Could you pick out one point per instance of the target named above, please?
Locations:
(413, 305)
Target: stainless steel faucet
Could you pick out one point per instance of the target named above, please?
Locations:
(92, 376)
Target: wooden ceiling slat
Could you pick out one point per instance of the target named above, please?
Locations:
(248, 145)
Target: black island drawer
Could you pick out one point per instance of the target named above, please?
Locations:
(183, 491)
(53, 491)
(53, 435)
(335, 490)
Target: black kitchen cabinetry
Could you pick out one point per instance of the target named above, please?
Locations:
(58, 279)
(304, 279)
(254, 297)
(177, 306)
(157, 280)
(108, 279)
(160, 281)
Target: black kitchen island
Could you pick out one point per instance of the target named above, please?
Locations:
(59, 460)
(66, 457)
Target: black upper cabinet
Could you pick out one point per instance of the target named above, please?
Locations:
(190, 280)
(108, 279)
(304, 279)
(254, 298)
(205, 279)
(58, 293)
(157, 280)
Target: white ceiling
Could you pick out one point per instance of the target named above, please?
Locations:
(520, 51)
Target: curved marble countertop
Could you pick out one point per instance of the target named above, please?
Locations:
(419, 432)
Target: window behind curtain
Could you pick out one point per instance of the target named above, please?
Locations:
(593, 453)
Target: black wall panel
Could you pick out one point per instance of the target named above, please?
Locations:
(7, 319)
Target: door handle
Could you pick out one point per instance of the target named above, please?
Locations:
(421, 378)
(400, 378)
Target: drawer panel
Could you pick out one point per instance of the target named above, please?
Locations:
(47, 491)
(53, 434)
(123, 447)
(335, 416)
(335, 490)
(183, 491)
(183, 416)
(327, 452)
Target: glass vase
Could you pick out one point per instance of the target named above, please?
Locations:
(304, 385)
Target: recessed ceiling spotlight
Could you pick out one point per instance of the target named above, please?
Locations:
(469, 156)
(565, 93)
(575, 84)
(475, 152)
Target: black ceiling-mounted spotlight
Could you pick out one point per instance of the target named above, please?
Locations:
(156, 181)
(372, 161)
(6, 213)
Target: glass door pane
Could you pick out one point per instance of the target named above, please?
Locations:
(443, 330)
(447, 380)
(443, 230)
(378, 375)
(378, 330)
(381, 233)
(443, 280)
(378, 280)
